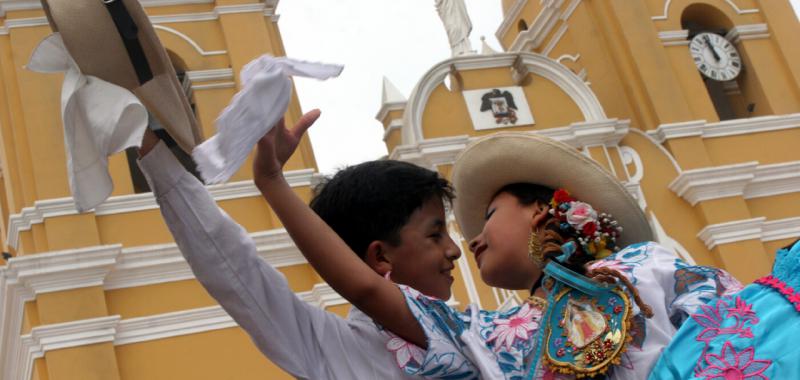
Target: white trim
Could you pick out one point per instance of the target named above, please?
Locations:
(168, 325)
(774, 179)
(388, 107)
(716, 182)
(51, 208)
(210, 75)
(323, 296)
(443, 151)
(183, 17)
(747, 32)
(393, 125)
(166, 3)
(213, 86)
(541, 26)
(555, 39)
(538, 64)
(510, 18)
(574, 58)
(59, 336)
(667, 3)
(239, 8)
(463, 265)
(731, 232)
(190, 41)
(674, 37)
(788, 228)
(756, 228)
(725, 128)
(26, 5)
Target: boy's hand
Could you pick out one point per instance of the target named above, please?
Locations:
(275, 148)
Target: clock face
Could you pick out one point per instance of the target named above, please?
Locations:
(715, 57)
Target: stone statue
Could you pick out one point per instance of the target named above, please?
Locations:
(456, 21)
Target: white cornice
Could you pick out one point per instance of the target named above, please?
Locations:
(732, 232)
(665, 15)
(725, 128)
(747, 32)
(749, 229)
(509, 19)
(197, 76)
(748, 180)
(674, 37)
(168, 325)
(442, 151)
(51, 208)
(537, 32)
(63, 270)
(536, 64)
(59, 336)
(703, 184)
(394, 125)
(388, 107)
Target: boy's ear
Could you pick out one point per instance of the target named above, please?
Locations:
(377, 259)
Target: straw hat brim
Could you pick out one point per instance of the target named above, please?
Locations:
(92, 39)
(485, 166)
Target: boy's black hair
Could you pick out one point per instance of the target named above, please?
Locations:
(374, 200)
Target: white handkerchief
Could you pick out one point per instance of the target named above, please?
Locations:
(100, 119)
(254, 110)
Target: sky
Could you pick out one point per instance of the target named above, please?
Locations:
(398, 39)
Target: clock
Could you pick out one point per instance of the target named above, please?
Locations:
(715, 57)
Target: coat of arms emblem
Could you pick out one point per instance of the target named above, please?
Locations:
(501, 103)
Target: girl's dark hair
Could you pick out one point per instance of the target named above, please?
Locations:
(374, 200)
(528, 194)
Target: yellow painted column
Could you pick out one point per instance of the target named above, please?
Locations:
(691, 81)
(765, 69)
(90, 362)
(784, 29)
(746, 259)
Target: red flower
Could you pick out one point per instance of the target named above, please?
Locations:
(562, 196)
(589, 228)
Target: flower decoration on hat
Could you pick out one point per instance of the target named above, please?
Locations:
(596, 233)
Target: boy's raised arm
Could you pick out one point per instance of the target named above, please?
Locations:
(322, 247)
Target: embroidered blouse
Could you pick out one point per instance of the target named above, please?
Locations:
(752, 334)
(500, 345)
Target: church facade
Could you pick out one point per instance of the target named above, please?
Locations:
(693, 104)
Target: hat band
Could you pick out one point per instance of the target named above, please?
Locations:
(130, 37)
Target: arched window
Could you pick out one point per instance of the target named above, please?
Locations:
(708, 30)
(137, 177)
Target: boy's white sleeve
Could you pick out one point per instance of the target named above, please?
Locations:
(300, 338)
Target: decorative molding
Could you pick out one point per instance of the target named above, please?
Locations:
(59, 336)
(394, 125)
(774, 179)
(717, 182)
(387, 107)
(747, 32)
(213, 86)
(733, 5)
(510, 18)
(574, 58)
(537, 32)
(210, 75)
(555, 39)
(756, 228)
(725, 128)
(674, 37)
(537, 64)
(731, 232)
(442, 151)
(239, 8)
(190, 41)
(63, 270)
(51, 208)
(168, 325)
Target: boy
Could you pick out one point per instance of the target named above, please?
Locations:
(390, 213)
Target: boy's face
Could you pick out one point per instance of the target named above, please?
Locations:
(424, 258)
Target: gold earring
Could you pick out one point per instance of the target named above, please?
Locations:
(535, 252)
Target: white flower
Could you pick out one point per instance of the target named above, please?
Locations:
(579, 214)
(404, 352)
(519, 326)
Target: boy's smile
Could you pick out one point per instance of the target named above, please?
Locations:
(424, 258)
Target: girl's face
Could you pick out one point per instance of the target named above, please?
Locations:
(501, 250)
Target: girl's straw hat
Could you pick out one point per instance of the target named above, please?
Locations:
(113, 40)
(487, 165)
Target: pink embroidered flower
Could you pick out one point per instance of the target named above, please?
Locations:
(404, 352)
(519, 326)
(743, 311)
(579, 214)
(730, 365)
